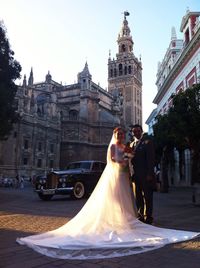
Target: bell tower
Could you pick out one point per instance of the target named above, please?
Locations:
(125, 77)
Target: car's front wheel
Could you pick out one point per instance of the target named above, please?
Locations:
(45, 197)
(79, 190)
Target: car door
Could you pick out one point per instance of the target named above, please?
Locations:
(96, 173)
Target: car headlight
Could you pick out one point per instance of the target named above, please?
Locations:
(40, 181)
(62, 180)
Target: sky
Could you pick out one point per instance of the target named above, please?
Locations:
(61, 35)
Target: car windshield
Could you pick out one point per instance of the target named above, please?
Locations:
(77, 165)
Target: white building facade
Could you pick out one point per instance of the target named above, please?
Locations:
(179, 70)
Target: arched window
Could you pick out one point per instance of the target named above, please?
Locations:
(129, 69)
(73, 115)
(111, 73)
(125, 70)
(120, 69)
(123, 48)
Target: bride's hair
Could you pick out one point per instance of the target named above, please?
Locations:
(117, 129)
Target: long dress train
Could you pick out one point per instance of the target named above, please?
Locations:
(107, 225)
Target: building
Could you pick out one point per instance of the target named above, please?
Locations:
(64, 123)
(34, 143)
(179, 70)
(125, 77)
(58, 124)
(88, 116)
(151, 120)
(181, 65)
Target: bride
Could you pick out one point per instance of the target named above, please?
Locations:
(107, 225)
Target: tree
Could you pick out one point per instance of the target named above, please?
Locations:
(186, 114)
(180, 127)
(164, 144)
(9, 71)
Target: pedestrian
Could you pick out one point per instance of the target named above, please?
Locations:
(158, 180)
(143, 173)
(22, 182)
(17, 181)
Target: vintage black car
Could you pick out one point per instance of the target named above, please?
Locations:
(78, 180)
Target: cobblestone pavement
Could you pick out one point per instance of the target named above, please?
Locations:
(22, 213)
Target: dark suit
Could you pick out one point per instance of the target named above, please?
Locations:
(143, 165)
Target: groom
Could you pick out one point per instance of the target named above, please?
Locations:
(143, 167)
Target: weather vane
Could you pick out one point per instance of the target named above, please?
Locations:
(126, 13)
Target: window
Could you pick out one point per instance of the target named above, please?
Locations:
(129, 69)
(26, 144)
(51, 163)
(173, 44)
(39, 146)
(187, 37)
(179, 88)
(125, 70)
(102, 166)
(111, 73)
(39, 163)
(191, 77)
(120, 69)
(78, 165)
(25, 161)
(96, 166)
(73, 115)
(51, 147)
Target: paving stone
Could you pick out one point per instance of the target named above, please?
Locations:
(22, 213)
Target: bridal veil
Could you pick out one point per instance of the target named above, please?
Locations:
(107, 225)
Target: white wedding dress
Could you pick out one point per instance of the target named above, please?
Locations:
(107, 225)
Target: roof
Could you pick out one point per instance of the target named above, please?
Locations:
(186, 18)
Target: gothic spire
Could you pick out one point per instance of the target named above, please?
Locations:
(24, 81)
(173, 34)
(125, 41)
(30, 80)
(125, 30)
(86, 71)
(85, 77)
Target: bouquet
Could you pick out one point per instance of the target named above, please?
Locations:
(128, 152)
(128, 155)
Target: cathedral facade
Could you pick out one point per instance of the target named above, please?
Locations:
(58, 124)
(63, 123)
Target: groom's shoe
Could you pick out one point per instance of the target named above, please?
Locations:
(140, 218)
(149, 220)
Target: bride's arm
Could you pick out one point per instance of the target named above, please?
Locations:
(112, 151)
(113, 156)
